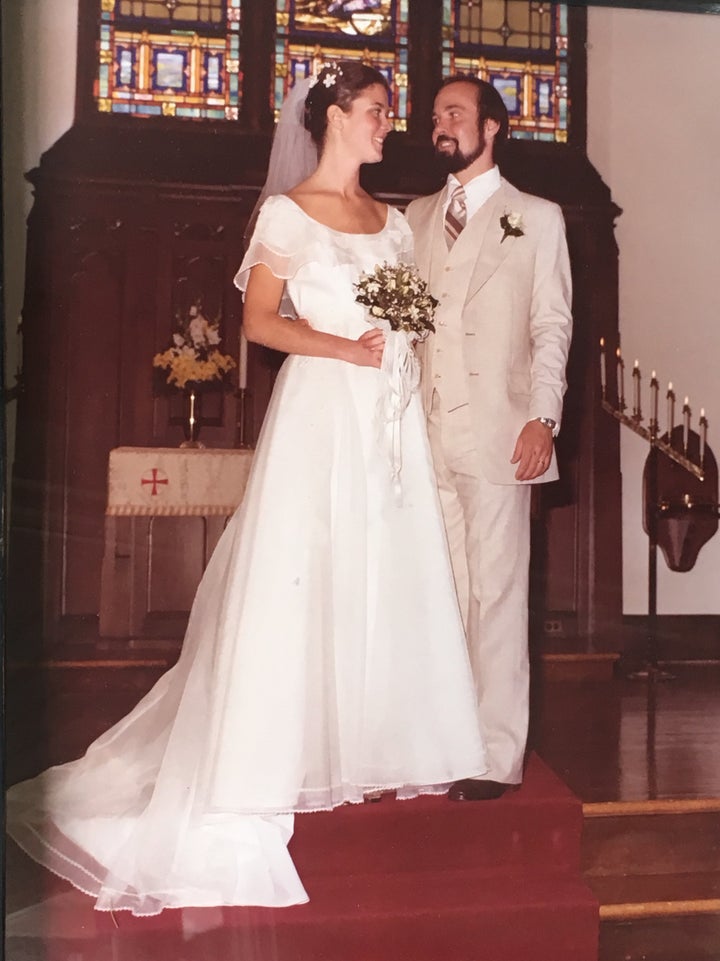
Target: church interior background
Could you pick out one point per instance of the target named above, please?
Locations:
(135, 225)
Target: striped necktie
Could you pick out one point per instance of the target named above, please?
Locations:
(455, 215)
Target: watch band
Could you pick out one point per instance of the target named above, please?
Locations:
(548, 422)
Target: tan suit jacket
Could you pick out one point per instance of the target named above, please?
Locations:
(513, 297)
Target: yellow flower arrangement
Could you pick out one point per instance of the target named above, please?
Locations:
(194, 356)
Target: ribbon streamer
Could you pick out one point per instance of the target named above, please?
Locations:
(402, 376)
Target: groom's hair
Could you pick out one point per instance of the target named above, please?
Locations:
(490, 106)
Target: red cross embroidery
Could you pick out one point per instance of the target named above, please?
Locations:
(152, 477)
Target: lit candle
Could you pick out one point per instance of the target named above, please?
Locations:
(703, 435)
(242, 363)
(686, 424)
(654, 391)
(620, 380)
(670, 410)
(603, 373)
(636, 390)
(191, 418)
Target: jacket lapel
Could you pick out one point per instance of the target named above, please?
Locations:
(485, 232)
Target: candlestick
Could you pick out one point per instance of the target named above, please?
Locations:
(686, 424)
(242, 363)
(703, 435)
(670, 411)
(654, 391)
(603, 372)
(636, 390)
(620, 380)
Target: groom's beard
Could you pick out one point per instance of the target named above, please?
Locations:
(456, 161)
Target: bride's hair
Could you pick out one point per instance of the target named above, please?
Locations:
(338, 83)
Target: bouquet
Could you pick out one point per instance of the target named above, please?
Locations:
(194, 356)
(397, 294)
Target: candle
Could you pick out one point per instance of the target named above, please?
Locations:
(703, 435)
(670, 410)
(636, 390)
(242, 363)
(191, 418)
(603, 373)
(654, 391)
(686, 424)
(620, 380)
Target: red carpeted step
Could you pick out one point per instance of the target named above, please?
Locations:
(537, 827)
(450, 916)
(421, 880)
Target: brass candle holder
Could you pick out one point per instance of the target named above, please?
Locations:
(683, 447)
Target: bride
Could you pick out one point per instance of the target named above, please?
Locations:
(324, 657)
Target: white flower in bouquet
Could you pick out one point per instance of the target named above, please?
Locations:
(397, 294)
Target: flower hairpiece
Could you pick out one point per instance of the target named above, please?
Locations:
(330, 78)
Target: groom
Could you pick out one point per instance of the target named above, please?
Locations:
(493, 383)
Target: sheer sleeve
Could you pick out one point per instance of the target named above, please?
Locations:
(279, 241)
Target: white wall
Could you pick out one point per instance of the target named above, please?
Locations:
(654, 136)
(39, 47)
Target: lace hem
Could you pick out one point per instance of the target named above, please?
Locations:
(110, 895)
(342, 796)
(48, 845)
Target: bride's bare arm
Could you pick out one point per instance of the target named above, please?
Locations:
(262, 324)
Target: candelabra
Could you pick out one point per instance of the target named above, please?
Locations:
(685, 448)
(651, 433)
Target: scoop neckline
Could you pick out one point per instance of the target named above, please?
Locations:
(343, 233)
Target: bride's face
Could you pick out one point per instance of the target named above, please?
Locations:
(367, 123)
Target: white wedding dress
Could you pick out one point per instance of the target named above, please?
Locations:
(324, 656)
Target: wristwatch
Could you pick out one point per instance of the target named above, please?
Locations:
(549, 422)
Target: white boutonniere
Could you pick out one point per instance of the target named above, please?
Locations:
(512, 225)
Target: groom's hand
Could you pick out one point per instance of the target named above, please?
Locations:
(533, 451)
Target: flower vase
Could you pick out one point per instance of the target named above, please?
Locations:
(192, 421)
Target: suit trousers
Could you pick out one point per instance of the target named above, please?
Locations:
(488, 530)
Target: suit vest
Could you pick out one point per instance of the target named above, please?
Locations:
(445, 370)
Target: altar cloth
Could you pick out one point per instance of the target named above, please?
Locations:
(167, 481)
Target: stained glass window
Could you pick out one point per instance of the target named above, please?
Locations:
(312, 32)
(519, 46)
(171, 58)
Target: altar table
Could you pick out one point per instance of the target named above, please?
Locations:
(166, 509)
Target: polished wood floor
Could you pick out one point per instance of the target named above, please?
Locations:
(629, 739)
(616, 739)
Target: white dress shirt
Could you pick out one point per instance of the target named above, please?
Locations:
(477, 191)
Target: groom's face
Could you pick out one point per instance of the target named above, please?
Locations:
(457, 135)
